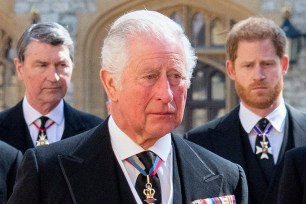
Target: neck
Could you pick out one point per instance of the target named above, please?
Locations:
(44, 108)
(263, 112)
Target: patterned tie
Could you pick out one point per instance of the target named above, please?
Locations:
(148, 158)
(263, 148)
(42, 134)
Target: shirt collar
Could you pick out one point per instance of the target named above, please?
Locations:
(31, 115)
(126, 147)
(276, 117)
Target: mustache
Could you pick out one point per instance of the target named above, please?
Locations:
(257, 84)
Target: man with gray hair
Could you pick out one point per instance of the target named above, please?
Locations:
(44, 63)
(132, 157)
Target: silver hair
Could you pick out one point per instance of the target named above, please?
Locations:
(114, 54)
(50, 33)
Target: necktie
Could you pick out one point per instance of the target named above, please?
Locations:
(42, 134)
(263, 148)
(145, 184)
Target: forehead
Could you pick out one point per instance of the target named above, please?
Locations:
(263, 47)
(147, 49)
(40, 49)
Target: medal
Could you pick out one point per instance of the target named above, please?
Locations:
(149, 192)
(42, 137)
(42, 140)
(264, 149)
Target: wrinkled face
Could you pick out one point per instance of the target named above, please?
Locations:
(258, 73)
(152, 98)
(46, 72)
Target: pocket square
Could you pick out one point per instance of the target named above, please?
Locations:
(228, 199)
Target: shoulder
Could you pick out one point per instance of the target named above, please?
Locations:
(8, 153)
(81, 115)
(204, 156)
(221, 123)
(295, 113)
(65, 146)
(6, 149)
(297, 153)
(9, 113)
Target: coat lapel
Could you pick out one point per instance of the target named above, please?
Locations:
(228, 134)
(73, 123)
(194, 174)
(230, 131)
(92, 172)
(16, 132)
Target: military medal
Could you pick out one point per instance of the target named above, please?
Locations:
(264, 149)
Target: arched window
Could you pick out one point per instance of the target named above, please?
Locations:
(7, 70)
(206, 96)
(198, 30)
(217, 33)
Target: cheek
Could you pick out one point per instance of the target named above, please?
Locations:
(180, 96)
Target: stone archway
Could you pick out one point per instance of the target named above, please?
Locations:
(90, 95)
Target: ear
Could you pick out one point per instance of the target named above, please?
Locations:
(109, 84)
(230, 69)
(285, 64)
(19, 68)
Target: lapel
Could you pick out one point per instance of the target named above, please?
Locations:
(73, 122)
(194, 174)
(297, 126)
(16, 132)
(227, 132)
(177, 191)
(92, 172)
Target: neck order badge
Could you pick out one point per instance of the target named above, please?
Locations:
(149, 191)
(42, 134)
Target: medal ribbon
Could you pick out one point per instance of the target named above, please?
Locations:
(266, 132)
(43, 129)
(153, 169)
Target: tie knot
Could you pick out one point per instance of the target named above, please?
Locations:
(262, 124)
(147, 158)
(43, 120)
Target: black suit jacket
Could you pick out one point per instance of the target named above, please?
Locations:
(10, 159)
(84, 169)
(223, 137)
(293, 181)
(14, 130)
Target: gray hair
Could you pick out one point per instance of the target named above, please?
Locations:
(50, 33)
(115, 54)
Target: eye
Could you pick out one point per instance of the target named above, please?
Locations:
(176, 78)
(151, 76)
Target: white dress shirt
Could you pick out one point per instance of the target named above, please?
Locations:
(277, 118)
(125, 147)
(55, 131)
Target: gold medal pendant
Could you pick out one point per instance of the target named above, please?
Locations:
(149, 192)
(42, 139)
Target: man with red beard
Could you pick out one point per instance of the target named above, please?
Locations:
(257, 133)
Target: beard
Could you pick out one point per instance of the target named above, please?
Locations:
(259, 100)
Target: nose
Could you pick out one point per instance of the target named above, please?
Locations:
(53, 74)
(164, 90)
(259, 73)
